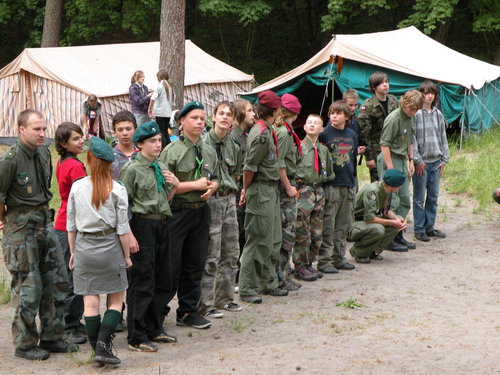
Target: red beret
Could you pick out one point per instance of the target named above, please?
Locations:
(291, 103)
(269, 99)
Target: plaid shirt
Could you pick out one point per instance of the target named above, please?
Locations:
(429, 142)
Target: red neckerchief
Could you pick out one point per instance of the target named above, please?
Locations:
(263, 125)
(295, 137)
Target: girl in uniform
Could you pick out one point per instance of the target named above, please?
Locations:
(98, 235)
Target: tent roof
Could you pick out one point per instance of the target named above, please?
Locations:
(105, 70)
(405, 50)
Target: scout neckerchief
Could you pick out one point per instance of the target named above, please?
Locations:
(218, 150)
(296, 138)
(160, 180)
(317, 161)
(198, 162)
(275, 138)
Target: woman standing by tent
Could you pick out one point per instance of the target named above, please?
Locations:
(98, 236)
(139, 96)
(161, 104)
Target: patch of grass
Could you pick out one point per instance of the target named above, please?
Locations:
(278, 321)
(240, 324)
(325, 290)
(474, 170)
(4, 291)
(74, 357)
(305, 314)
(351, 303)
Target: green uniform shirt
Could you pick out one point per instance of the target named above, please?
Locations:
(180, 159)
(240, 136)
(371, 120)
(261, 153)
(287, 151)
(228, 162)
(371, 201)
(140, 180)
(305, 167)
(397, 133)
(25, 176)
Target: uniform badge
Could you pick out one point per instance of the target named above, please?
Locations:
(22, 178)
(29, 189)
(405, 131)
(363, 108)
(373, 197)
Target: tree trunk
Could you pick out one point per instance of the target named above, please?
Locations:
(52, 23)
(172, 45)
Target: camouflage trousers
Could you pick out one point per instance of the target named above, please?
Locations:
(309, 227)
(219, 276)
(288, 207)
(39, 279)
(336, 223)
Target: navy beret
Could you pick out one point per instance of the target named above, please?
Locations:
(394, 178)
(101, 149)
(146, 130)
(189, 107)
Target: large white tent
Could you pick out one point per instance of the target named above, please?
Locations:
(408, 54)
(57, 80)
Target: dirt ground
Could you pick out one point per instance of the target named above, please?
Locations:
(433, 310)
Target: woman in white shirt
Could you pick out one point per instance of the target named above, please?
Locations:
(98, 236)
(161, 105)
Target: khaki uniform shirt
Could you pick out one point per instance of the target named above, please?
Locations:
(288, 153)
(261, 155)
(180, 159)
(371, 201)
(305, 166)
(228, 162)
(398, 132)
(371, 120)
(240, 136)
(25, 176)
(140, 180)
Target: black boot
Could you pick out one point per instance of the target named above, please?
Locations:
(400, 239)
(92, 342)
(103, 353)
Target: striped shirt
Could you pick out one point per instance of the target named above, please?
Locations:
(429, 141)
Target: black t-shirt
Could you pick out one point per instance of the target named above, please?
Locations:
(343, 146)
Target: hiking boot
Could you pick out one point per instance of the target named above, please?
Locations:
(376, 256)
(436, 233)
(314, 271)
(165, 338)
(250, 299)
(58, 346)
(362, 260)
(422, 237)
(33, 354)
(74, 337)
(291, 285)
(193, 319)
(104, 346)
(303, 273)
(145, 347)
(232, 306)
(328, 269)
(401, 240)
(346, 267)
(396, 246)
(214, 313)
(277, 292)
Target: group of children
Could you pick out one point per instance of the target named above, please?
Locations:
(247, 183)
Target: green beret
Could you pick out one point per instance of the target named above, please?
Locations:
(394, 178)
(146, 130)
(101, 149)
(189, 107)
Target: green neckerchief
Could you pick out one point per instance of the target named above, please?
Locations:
(199, 162)
(160, 180)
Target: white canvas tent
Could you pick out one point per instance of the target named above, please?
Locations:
(56, 81)
(410, 53)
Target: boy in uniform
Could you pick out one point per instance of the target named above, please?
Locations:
(31, 250)
(147, 183)
(194, 164)
(396, 144)
(371, 118)
(313, 169)
(219, 277)
(375, 223)
(342, 143)
(260, 194)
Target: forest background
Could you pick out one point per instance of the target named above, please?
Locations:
(262, 37)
